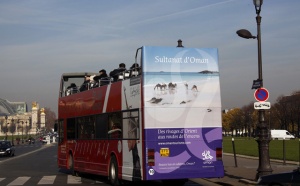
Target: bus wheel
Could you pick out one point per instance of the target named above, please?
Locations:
(113, 171)
(71, 165)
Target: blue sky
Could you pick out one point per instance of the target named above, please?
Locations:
(40, 40)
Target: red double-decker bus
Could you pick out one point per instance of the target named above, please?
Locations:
(161, 121)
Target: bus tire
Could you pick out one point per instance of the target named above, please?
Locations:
(113, 171)
(71, 165)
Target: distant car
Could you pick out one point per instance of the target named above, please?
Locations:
(281, 134)
(281, 179)
(44, 140)
(6, 148)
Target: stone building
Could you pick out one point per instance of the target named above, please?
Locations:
(15, 119)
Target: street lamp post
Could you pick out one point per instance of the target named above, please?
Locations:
(11, 130)
(6, 127)
(263, 140)
(29, 125)
(18, 130)
(26, 130)
(22, 131)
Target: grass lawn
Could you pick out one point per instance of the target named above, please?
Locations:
(249, 146)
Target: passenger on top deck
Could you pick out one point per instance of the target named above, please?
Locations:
(85, 84)
(116, 72)
(135, 69)
(102, 78)
(92, 83)
(72, 89)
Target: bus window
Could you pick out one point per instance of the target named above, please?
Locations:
(115, 125)
(71, 128)
(60, 131)
(86, 127)
(101, 126)
(131, 125)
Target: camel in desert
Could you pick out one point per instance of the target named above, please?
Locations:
(194, 88)
(171, 85)
(155, 100)
(186, 86)
(161, 86)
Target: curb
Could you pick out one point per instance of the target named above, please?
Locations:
(256, 158)
(248, 182)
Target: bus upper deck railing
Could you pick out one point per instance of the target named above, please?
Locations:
(127, 74)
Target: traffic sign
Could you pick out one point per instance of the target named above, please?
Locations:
(261, 94)
(262, 105)
(256, 84)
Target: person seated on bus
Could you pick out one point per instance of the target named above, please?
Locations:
(135, 70)
(85, 84)
(102, 78)
(72, 89)
(116, 72)
(92, 83)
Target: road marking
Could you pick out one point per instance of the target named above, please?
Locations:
(73, 179)
(19, 181)
(47, 180)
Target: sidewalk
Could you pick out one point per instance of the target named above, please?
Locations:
(246, 170)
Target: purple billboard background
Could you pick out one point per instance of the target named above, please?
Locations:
(192, 153)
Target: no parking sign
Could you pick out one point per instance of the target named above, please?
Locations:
(261, 94)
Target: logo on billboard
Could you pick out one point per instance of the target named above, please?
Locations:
(207, 157)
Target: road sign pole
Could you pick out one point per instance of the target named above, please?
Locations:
(263, 140)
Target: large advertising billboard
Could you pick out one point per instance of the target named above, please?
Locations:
(19, 107)
(182, 112)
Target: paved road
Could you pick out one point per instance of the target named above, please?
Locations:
(22, 149)
(36, 164)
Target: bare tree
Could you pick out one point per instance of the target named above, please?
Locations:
(50, 119)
